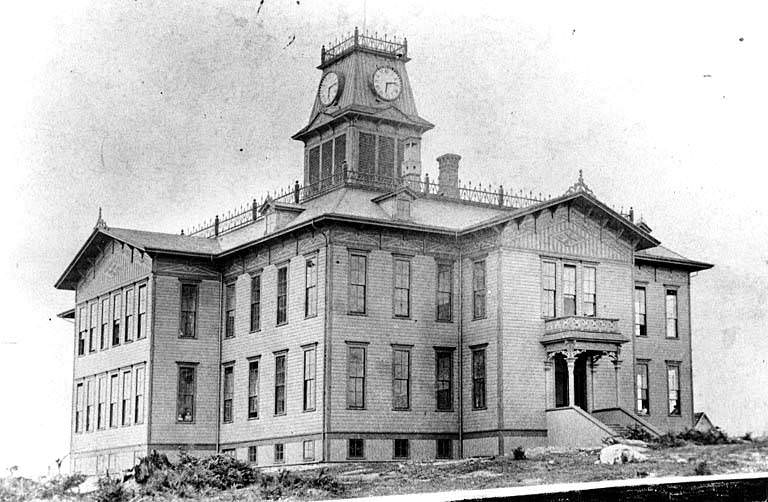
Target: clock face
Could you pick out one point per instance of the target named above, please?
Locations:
(387, 83)
(330, 87)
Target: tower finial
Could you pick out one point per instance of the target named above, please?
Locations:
(100, 223)
(579, 186)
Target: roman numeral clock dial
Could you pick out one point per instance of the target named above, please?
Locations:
(387, 83)
(330, 88)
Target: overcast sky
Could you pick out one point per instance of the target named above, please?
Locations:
(166, 113)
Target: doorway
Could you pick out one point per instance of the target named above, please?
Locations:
(579, 382)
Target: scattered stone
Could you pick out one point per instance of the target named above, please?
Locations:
(621, 454)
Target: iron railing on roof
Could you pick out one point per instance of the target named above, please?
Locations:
(372, 43)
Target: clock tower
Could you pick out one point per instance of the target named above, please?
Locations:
(364, 113)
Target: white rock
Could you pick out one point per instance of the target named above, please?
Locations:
(621, 454)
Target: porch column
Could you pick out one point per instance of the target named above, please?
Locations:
(548, 385)
(592, 370)
(616, 367)
(571, 362)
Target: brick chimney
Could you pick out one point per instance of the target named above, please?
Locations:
(448, 176)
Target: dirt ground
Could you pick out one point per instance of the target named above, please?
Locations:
(542, 466)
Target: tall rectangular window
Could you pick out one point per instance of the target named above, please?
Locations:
(253, 389)
(138, 397)
(548, 289)
(589, 286)
(671, 313)
(641, 389)
(308, 448)
(386, 163)
(326, 161)
(280, 384)
(129, 306)
(444, 448)
(101, 409)
(94, 324)
(188, 319)
(444, 292)
(478, 289)
(569, 290)
(641, 328)
(401, 379)
(185, 397)
(104, 334)
(114, 397)
(279, 453)
(357, 283)
(444, 380)
(367, 153)
(141, 322)
(126, 404)
(673, 388)
(117, 314)
(340, 152)
(355, 377)
(314, 165)
(310, 294)
(79, 407)
(256, 303)
(282, 295)
(229, 311)
(82, 332)
(478, 379)
(229, 391)
(401, 448)
(402, 284)
(253, 454)
(310, 362)
(89, 406)
(355, 448)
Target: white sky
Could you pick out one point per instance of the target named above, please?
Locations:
(660, 104)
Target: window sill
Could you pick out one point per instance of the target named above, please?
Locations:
(356, 408)
(281, 324)
(310, 316)
(309, 410)
(359, 314)
(355, 458)
(444, 321)
(479, 318)
(401, 409)
(187, 338)
(258, 330)
(444, 411)
(402, 317)
(253, 418)
(179, 422)
(675, 415)
(280, 414)
(484, 408)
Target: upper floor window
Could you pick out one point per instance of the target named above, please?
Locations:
(478, 289)
(590, 291)
(641, 388)
(101, 409)
(280, 384)
(641, 329)
(229, 390)
(188, 310)
(256, 303)
(89, 406)
(114, 399)
(282, 295)
(94, 324)
(444, 292)
(549, 289)
(403, 209)
(104, 324)
(478, 379)
(310, 293)
(83, 329)
(673, 388)
(185, 397)
(309, 378)
(444, 380)
(126, 404)
(355, 377)
(141, 323)
(253, 389)
(402, 284)
(401, 379)
(138, 397)
(569, 290)
(229, 314)
(129, 306)
(357, 282)
(671, 302)
(79, 408)
(117, 314)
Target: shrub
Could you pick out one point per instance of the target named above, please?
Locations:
(60, 485)
(518, 453)
(702, 469)
(111, 490)
(636, 432)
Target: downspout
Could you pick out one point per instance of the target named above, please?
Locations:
(218, 362)
(151, 363)
(326, 336)
(461, 349)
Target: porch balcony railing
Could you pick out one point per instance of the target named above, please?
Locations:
(597, 330)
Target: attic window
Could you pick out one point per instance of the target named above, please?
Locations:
(270, 220)
(403, 209)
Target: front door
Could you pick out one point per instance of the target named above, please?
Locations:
(579, 382)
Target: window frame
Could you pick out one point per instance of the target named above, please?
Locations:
(440, 291)
(138, 394)
(401, 349)
(311, 455)
(142, 328)
(398, 287)
(281, 289)
(114, 400)
(586, 272)
(253, 454)
(101, 402)
(89, 401)
(117, 316)
(674, 365)
(569, 293)
(192, 367)
(352, 453)
(443, 352)
(479, 293)
(184, 313)
(641, 328)
(227, 393)
(548, 294)
(255, 313)
(404, 447)
(82, 333)
(351, 286)
(104, 329)
(479, 383)
(310, 288)
(79, 402)
(279, 450)
(670, 292)
(309, 402)
(281, 383)
(254, 384)
(640, 378)
(126, 399)
(130, 312)
(93, 325)
(444, 441)
(354, 378)
(230, 309)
